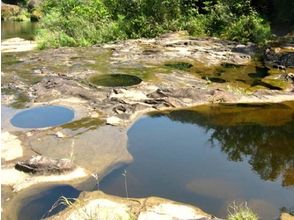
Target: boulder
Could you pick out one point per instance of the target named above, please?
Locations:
(41, 164)
(8, 11)
(279, 57)
(286, 216)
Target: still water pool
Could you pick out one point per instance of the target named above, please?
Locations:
(211, 156)
(42, 117)
(11, 29)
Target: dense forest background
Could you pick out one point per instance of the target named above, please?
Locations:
(88, 22)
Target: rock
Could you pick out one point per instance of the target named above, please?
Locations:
(105, 147)
(286, 216)
(11, 147)
(32, 4)
(166, 211)
(17, 45)
(179, 46)
(113, 120)
(60, 134)
(102, 206)
(41, 164)
(19, 180)
(36, 15)
(280, 58)
(8, 11)
(276, 82)
(249, 49)
(290, 77)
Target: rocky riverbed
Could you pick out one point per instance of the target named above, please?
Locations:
(171, 68)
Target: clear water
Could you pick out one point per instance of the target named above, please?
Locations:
(38, 206)
(11, 29)
(41, 117)
(212, 156)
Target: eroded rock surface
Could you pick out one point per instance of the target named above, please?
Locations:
(98, 205)
(175, 46)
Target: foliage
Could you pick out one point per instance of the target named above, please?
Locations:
(88, 22)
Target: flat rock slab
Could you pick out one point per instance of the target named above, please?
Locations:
(17, 45)
(11, 147)
(179, 45)
(98, 150)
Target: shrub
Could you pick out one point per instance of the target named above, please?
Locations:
(88, 22)
(248, 28)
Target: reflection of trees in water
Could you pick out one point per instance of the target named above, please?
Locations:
(269, 149)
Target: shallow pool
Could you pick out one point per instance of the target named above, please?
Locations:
(41, 117)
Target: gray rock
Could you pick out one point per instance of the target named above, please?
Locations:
(42, 164)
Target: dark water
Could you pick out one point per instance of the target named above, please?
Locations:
(38, 206)
(41, 117)
(115, 80)
(211, 156)
(11, 29)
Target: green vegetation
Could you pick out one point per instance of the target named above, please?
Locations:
(241, 212)
(179, 65)
(115, 80)
(88, 22)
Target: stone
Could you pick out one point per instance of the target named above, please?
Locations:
(17, 45)
(286, 216)
(8, 11)
(41, 164)
(102, 206)
(113, 121)
(280, 58)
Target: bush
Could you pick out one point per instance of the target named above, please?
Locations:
(248, 28)
(88, 22)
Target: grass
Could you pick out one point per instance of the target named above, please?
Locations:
(241, 212)
(81, 211)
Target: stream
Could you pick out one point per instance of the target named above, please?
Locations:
(209, 156)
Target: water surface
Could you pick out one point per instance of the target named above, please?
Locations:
(41, 117)
(45, 204)
(11, 29)
(213, 155)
